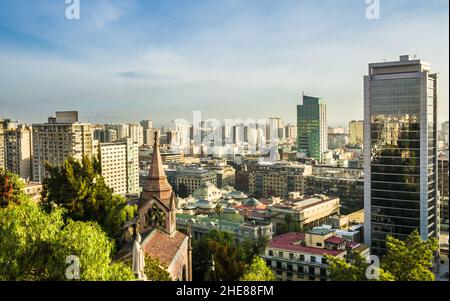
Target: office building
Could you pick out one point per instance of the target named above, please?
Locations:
(356, 132)
(58, 139)
(277, 179)
(2, 145)
(311, 128)
(400, 165)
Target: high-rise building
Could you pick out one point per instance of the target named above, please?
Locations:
(356, 132)
(120, 166)
(443, 134)
(147, 126)
(17, 150)
(443, 186)
(400, 164)
(58, 139)
(291, 131)
(311, 128)
(105, 135)
(136, 133)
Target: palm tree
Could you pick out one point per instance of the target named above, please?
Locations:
(219, 211)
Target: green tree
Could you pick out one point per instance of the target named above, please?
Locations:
(341, 270)
(258, 271)
(408, 260)
(79, 188)
(34, 245)
(254, 247)
(11, 188)
(411, 259)
(228, 257)
(155, 270)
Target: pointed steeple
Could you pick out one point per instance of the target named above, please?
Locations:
(156, 183)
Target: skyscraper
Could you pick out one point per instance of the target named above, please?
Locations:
(400, 165)
(312, 128)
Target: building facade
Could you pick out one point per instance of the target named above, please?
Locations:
(400, 137)
(57, 140)
(356, 132)
(312, 128)
(302, 256)
(277, 180)
(17, 151)
(120, 166)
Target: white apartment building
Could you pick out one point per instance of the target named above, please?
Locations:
(62, 137)
(17, 150)
(120, 166)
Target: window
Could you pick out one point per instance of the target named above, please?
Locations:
(319, 244)
(302, 257)
(291, 256)
(280, 254)
(270, 253)
(313, 259)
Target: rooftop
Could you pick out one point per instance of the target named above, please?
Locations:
(291, 242)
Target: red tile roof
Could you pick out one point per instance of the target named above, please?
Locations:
(336, 240)
(163, 246)
(290, 242)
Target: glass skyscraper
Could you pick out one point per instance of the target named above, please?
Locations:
(312, 128)
(400, 189)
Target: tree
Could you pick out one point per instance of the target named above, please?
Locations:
(411, 259)
(34, 245)
(79, 188)
(11, 188)
(228, 257)
(155, 271)
(254, 247)
(408, 260)
(258, 271)
(341, 270)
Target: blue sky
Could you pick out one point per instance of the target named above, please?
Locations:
(132, 60)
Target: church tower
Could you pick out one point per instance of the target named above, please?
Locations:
(157, 208)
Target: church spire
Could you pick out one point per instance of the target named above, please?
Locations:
(156, 183)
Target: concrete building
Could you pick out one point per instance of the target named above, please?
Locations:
(189, 179)
(202, 225)
(17, 150)
(58, 139)
(311, 128)
(277, 179)
(443, 188)
(291, 131)
(136, 133)
(105, 135)
(301, 256)
(356, 132)
(306, 211)
(350, 191)
(120, 166)
(400, 137)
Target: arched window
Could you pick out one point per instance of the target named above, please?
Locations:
(155, 217)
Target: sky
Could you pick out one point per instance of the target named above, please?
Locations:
(131, 60)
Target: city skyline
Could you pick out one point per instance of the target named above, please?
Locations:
(227, 59)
